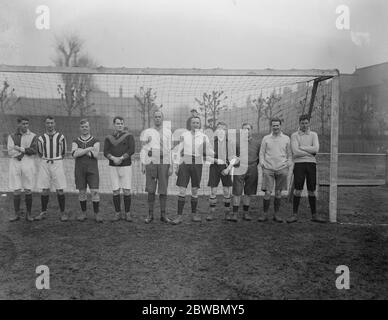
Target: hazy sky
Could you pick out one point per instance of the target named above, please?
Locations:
(247, 34)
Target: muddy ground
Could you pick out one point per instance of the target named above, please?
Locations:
(210, 260)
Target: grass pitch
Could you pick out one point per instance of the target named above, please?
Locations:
(210, 260)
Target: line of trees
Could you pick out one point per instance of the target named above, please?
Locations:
(210, 105)
(8, 100)
(265, 107)
(75, 90)
(146, 99)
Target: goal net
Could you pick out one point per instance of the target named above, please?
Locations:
(231, 96)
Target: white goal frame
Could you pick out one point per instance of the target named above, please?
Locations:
(318, 74)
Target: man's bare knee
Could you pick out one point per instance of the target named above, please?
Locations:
(95, 195)
(297, 193)
(82, 196)
(194, 192)
(226, 192)
(236, 200)
(182, 192)
(246, 200)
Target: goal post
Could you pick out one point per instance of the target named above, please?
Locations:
(335, 101)
(99, 94)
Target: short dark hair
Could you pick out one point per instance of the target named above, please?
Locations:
(158, 110)
(49, 118)
(276, 119)
(304, 117)
(83, 121)
(22, 118)
(221, 123)
(194, 110)
(246, 124)
(118, 118)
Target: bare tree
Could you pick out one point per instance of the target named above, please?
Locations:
(76, 88)
(364, 113)
(270, 103)
(322, 109)
(146, 99)
(7, 98)
(260, 106)
(210, 107)
(382, 123)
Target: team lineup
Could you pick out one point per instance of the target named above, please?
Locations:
(234, 160)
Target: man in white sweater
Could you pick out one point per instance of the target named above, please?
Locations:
(275, 160)
(305, 146)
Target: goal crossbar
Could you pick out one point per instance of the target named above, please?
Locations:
(315, 73)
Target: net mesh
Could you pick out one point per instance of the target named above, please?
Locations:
(100, 97)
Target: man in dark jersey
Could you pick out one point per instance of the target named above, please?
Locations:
(246, 183)
(118, 148)
(217, 171)
(85, 150)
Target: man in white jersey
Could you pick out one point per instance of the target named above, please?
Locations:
(155, 159)
(22, 148)
(194, 146)
(275, 160)
(52, 149)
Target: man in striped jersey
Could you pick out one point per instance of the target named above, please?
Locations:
(22, 147)
(118, 149)
(85, 150)
(52, 149)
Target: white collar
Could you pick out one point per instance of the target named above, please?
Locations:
(302, 133)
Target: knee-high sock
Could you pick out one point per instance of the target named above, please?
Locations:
(28, 200)
(16, 202)
(96, 205)
(313, 204)
(266, 205)
(61, 202)
(181, 204)
(83, 205)
(151, 203)
(163, 201)
(117, 202)
(276, 204)
(295, 204)
(127, 202)
(212, 204)
(226, 203)
(44, 199)
(194, 204)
